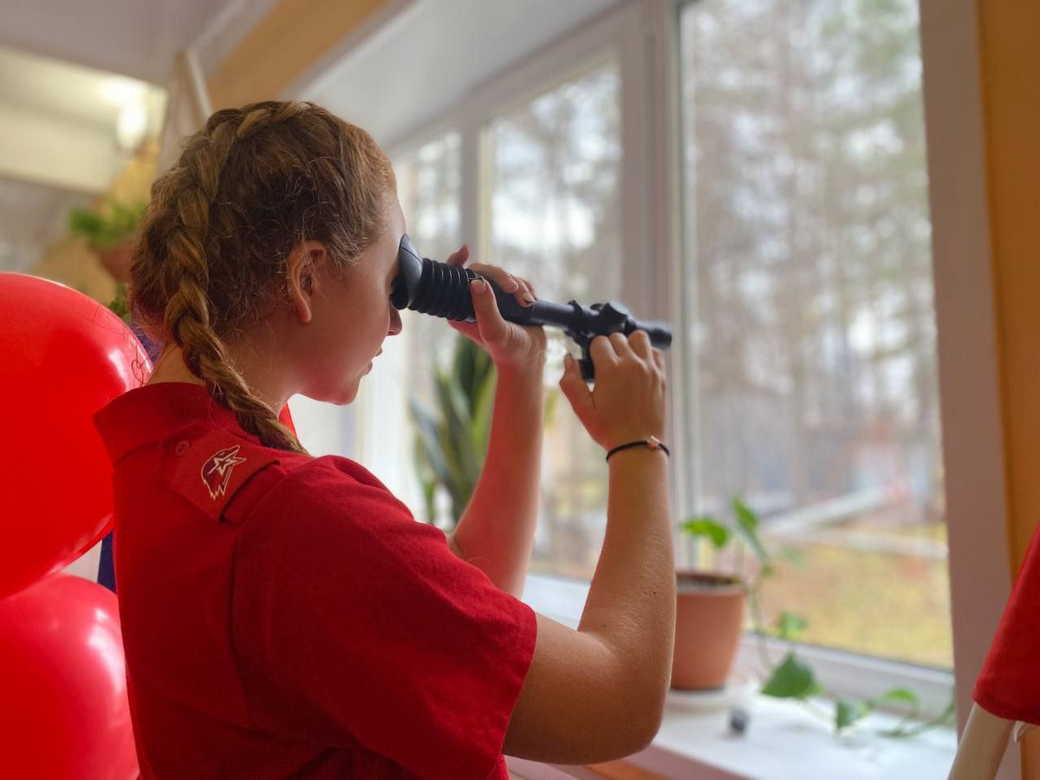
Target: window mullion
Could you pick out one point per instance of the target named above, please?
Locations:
(472, 225)
(651, 212)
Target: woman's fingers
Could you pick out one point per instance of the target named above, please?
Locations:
(639, 341)
(459, 256)
(503, 279)
(522, 288)
(528, 290)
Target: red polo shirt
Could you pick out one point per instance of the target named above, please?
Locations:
(285, 615)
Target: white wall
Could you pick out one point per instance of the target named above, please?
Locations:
(60, 152)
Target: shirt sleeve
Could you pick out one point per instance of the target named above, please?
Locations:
(1008, 685)
(364, 617)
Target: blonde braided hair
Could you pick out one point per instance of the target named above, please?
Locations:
(221, 223)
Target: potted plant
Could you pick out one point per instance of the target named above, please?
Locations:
(450, 447)
(451, 442)
(790, 678)
(710, 607)
(110, 232)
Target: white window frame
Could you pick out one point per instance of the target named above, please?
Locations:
(644, 34)
(626, 32)
(969, 379)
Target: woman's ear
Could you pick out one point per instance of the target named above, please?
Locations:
(302, 278)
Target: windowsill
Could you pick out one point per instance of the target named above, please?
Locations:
(783, 739)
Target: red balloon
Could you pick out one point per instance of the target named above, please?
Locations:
(63, 356)
(65, 710)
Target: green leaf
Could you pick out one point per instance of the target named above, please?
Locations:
(427, 477)
(789, 625)
(119, 305)
(449, 396)
(109, 226)
(848, 711)
(465, 368)
(452, 430)
(947, 717)
(428, 440)
(791, 679)
(84, 222)
(455, 443)
(902, 696)
(455, 479)
(480, 422)
(706, 525)
(899, 694)
(747, 524)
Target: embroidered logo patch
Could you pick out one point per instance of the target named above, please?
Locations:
(216, 472)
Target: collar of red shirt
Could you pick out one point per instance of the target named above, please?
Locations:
(155, 412)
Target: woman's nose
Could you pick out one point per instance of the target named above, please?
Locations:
(395, 322)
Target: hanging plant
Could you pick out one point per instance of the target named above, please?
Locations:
(110, 232)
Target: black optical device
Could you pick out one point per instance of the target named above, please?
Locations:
(442, 290)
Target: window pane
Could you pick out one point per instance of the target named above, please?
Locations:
(375, 428)
(428, 186)
(553, 167)
(809, 260)
(427, 189)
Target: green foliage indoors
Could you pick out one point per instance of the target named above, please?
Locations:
(450, 445)
(451, 442)
(110, 226)
(793, 678)
(119, 304)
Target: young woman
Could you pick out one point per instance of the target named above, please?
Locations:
(284, 615)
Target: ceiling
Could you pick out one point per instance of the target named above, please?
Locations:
(63, 90)
(68, 70)
(433, 53)
(66, 61)
(130, 37)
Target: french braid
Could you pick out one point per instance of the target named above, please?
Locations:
(247, 188)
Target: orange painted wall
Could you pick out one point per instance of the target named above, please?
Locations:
(287, 42)
(1009, 43)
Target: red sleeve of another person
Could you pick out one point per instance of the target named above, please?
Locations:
(368, 622)
(1009, 685)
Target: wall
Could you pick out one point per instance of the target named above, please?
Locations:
(1009, 39)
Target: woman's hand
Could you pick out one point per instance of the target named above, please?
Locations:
(509, 345)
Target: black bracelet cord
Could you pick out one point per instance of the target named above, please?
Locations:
(636, 444)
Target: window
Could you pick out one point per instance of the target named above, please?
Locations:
(553, 206)
(812, 345)
(428, 183)
(428, 191)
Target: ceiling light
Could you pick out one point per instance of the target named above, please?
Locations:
(131, 126)
(120, 91)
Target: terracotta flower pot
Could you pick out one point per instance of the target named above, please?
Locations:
(709, 619)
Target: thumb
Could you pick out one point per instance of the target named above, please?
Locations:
(489, 319)
(573, 385)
